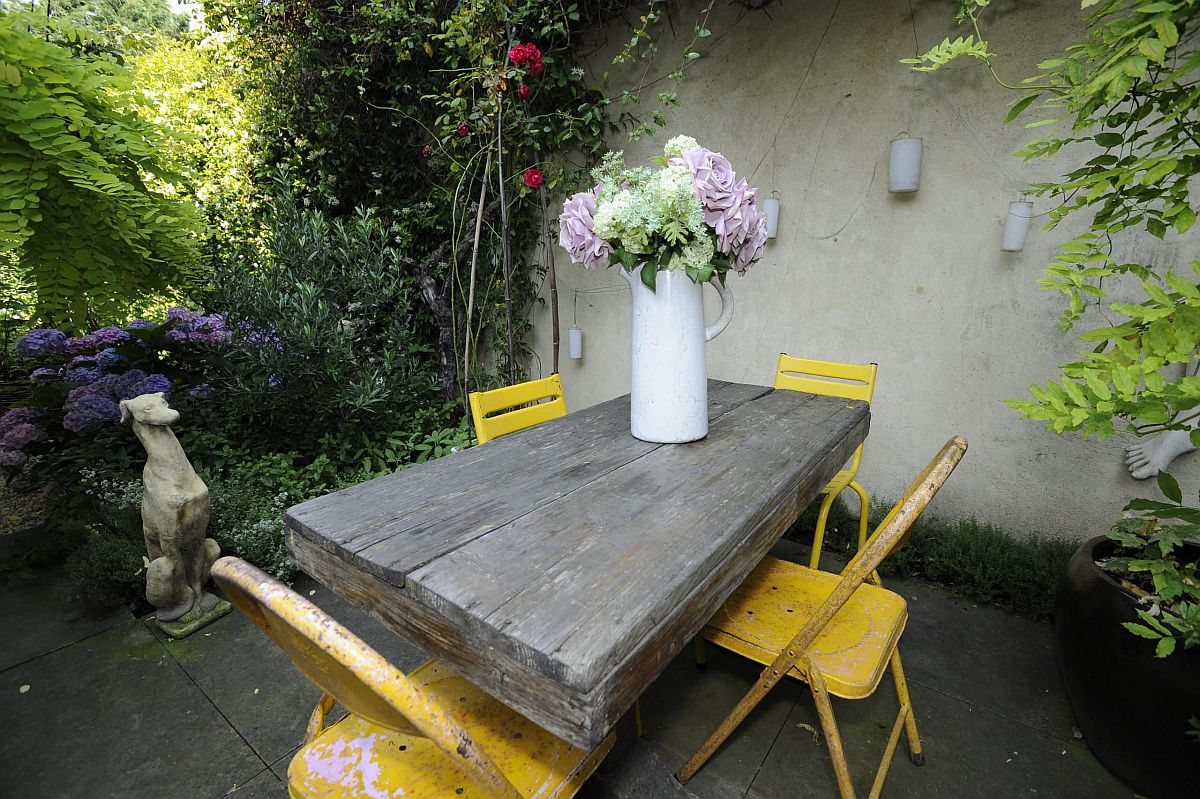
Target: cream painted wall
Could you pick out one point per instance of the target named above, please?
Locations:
(804, 102)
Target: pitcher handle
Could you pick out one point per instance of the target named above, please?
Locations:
(715, 329)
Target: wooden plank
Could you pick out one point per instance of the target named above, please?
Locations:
(552, 705)
(627, 680)
(397, 523)
(575, 586)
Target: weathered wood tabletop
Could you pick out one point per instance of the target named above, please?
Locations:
(562, 567)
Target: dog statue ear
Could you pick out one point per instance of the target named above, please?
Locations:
(126, 414)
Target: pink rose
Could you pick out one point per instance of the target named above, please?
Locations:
(755, 243)
(713, 175)
(576, 235)
(730, 206)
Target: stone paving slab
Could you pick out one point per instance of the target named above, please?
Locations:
(35, 619)
(114, 716)
(264, 785)
(254, 684)
(978, 654)
(686, 703)
(116, 701)
(970, 753)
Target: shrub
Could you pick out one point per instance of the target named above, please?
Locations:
(79, 382)
(328, 331)
(974, 560)
(107, 568)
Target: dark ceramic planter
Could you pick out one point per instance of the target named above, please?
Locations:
(1132, 707)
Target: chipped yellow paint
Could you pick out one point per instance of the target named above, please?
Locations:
(831, 379)
(355, 758)
(852, 651)
(425, 736)
(501, 400)
(845, 632)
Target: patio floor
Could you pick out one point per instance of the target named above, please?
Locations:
(111, 707)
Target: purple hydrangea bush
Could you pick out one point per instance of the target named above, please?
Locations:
(79, 382)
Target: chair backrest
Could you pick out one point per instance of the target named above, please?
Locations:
(855, 381)
(881, 543)
(507, 410)
(357, 676)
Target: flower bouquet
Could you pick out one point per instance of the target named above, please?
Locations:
(681, 226)
(694, 214)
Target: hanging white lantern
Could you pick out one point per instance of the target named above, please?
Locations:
(574, 343)
(1016, 226)
(770, 207)
(904, 164)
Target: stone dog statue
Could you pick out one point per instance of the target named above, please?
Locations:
(175, 511)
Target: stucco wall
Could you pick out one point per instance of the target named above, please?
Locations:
(804, 102)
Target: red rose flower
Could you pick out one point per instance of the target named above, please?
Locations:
(524, 92)
(535, 67)
(533, 178)
(463, 130)
(532, 52)
(519, 54)
(427, 150)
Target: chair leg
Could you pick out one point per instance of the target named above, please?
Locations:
(910, 721)
(698, 646)
(814, 562)
(833, 739)
(862, 515)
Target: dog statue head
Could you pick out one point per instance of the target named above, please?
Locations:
(149, 409)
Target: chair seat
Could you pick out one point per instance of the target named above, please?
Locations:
(356, 758)
(778, 597)
(840, 481)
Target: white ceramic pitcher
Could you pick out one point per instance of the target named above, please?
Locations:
(669, 403)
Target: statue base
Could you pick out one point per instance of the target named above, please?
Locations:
(196, 618)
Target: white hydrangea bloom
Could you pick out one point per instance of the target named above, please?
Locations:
(679, 145)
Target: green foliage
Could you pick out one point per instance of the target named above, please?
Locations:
(86, 201)
(1153, 564)
(408, 109)
(327, 331)
(196, 88)
(946, 51)
(249, 500)
(973, 559)
(121, 23)
(1121, 376)
(1129, 89)
(107, 567)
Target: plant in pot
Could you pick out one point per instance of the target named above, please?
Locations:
(1127, 610)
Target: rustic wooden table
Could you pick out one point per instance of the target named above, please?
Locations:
(562, 567)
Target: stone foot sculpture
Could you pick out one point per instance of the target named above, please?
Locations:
(1147, 457)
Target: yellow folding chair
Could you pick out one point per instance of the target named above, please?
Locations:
(832, 379)
(506, 410)
(428, 735)
(835, 633)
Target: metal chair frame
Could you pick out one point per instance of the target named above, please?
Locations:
(357, 677)
(795, 654)
(832, 379)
